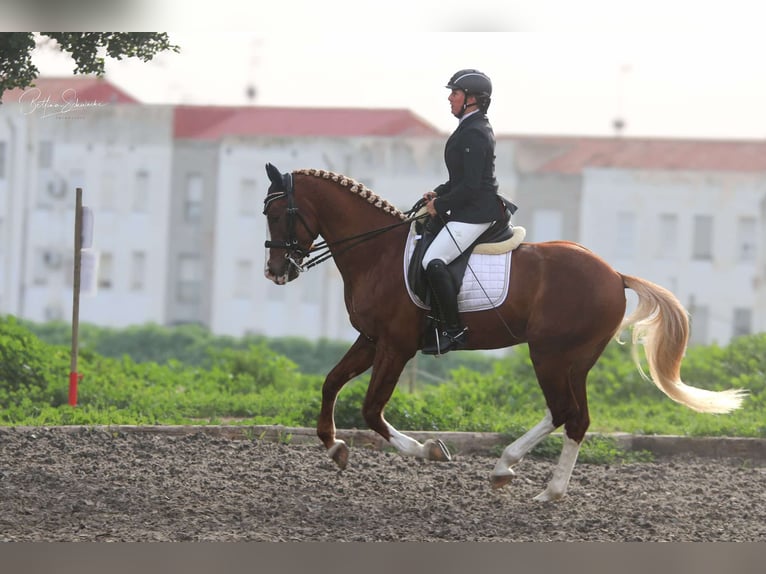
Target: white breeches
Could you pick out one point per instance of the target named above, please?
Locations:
(452, 240)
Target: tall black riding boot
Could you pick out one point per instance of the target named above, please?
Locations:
(451, 334)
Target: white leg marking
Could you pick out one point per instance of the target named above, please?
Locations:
(335, 446)
(557, 487)
(404, 444)
(521, 446)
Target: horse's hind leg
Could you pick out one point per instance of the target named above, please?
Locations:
(356, 361)
(513, 453)
(563, 384)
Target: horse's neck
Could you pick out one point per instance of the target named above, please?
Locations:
(349, 230)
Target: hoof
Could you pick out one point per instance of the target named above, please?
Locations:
(436, 450)
(339, 453)
(548, 496)
(501, 480)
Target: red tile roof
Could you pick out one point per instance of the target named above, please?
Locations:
(571, 155)
(211, 123)
(83, 88)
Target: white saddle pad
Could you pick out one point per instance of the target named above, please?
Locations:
(485, 283)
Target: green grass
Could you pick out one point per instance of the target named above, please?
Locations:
(256, 385)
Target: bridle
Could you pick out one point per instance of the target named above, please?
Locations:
(294, 253)
(293, 250)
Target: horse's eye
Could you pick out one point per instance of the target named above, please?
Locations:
(273, 219)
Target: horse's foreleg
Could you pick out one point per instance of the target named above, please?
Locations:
(513, 453)
(431, 449)
(356, 360)
(385, 374)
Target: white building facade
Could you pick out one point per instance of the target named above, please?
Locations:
(120, 155)
(180, 230)
(695, 233)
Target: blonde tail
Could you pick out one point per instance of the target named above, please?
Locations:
(660, 323)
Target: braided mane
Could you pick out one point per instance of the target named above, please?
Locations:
(357, 188)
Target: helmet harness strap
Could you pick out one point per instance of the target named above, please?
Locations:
(466, 105)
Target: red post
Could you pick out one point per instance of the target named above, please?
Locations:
(74, 378)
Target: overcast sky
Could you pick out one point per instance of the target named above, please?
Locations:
(668, 68)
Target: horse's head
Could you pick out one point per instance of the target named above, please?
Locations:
(289, 243)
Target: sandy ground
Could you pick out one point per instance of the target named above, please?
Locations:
(98, 485)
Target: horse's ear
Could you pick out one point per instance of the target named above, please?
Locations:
(274, 176)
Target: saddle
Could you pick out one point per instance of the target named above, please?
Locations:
(496, 235)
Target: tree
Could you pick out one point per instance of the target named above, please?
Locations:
(88, 49)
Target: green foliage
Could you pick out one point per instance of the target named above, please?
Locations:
(184, 375)
(195, 345)
(29, 369)
(18, 71)
(16, 67)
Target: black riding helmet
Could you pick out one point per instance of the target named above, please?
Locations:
(475, 83)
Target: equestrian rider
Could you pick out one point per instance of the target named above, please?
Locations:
(467, 202)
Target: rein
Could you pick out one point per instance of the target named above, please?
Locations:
(294, 251)
(361, 238)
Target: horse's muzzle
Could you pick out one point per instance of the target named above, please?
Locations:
(284, 275)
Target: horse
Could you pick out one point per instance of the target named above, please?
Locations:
(565, 302)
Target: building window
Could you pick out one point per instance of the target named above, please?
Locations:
(137, 271)
(248, 200)
(105, 271)
(403, 157)
(189, 279)
(243, 281)
(193, 198)
(625, 244)
(141, 191)
(746, 238)
(699, 324)
(47, 262)
(45, 154)
(742, 323)
(108, 192)
(702, 241)
(2, 160)
(668, 236)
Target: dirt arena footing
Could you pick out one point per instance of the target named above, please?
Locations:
(457, 442)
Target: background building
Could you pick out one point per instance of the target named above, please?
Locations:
(177, 193)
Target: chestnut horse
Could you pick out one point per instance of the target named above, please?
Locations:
(563, 301)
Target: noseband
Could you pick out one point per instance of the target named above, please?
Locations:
(293, 251)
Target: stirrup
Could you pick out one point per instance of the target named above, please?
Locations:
(446, 340)
(457, 339)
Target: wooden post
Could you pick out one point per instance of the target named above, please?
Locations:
(74, 377)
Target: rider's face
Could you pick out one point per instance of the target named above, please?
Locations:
(456, 99)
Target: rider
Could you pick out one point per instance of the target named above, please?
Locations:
(467, 202)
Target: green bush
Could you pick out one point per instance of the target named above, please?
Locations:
(194, 345)
(247, 381)
(29, 369)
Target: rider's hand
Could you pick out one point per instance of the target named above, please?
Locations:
(429, 195)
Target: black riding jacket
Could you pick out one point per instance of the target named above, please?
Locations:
(470, 194)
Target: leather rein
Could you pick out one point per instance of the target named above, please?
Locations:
(294, 253)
